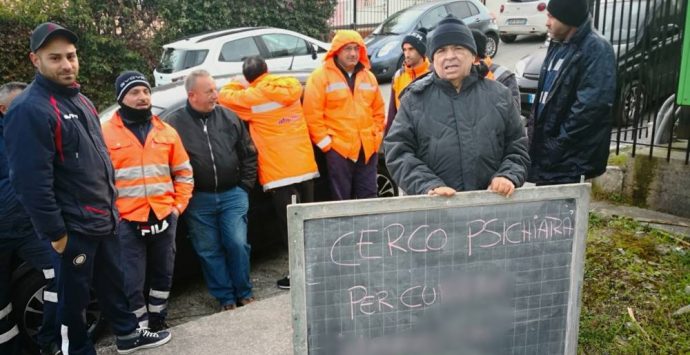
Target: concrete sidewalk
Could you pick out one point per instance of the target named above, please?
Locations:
(265, 327)
(261, 328)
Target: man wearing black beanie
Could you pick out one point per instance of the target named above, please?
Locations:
(415, 65)
(454, 130)
(571, 123)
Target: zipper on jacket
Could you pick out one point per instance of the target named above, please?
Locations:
(213, 159)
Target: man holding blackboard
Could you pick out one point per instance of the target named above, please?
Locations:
(456, 131)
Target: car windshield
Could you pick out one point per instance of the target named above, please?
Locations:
(619, 23)
(174, 59)
(399, 22)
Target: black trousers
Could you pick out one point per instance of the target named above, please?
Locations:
(19, 239)
(282, 197)
(91, 262)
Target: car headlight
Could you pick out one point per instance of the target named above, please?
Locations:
(387, 48)
(520, 67)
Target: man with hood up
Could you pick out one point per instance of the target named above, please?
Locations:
(345, 114)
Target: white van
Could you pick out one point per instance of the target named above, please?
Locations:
(222, 52)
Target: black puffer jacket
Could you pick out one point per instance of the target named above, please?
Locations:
(572, 132)
(462, 140)
(220, 150)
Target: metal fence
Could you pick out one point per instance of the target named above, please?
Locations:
(362, 14)
(647, 38)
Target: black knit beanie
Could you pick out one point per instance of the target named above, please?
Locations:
(417, 39)
(451, 30)
(570, 12)
(126, 81)
(480, 40)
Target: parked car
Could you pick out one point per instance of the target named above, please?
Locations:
(223, 52)
(522, 17)
(263, 229)
(27, 286)
(384, 45)
(646, 37)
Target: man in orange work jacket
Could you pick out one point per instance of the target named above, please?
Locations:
(415, 65)
(154, 181)
(271, 105)
(345, 114)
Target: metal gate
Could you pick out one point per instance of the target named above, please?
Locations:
(647, 39)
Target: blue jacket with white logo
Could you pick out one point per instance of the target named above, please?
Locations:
(59, 164)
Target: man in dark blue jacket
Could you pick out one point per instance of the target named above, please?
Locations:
(62, 174)
(571, 128)
(17, 237)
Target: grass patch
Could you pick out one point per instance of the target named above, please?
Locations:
(629, 265)
(619, 160)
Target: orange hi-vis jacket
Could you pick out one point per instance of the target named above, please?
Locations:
(271, 105)
(404, 76)
(155, 176)
(338, 117)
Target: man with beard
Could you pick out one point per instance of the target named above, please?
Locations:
(456, 131)
(63, 177)
(415, 65)
(154, 181)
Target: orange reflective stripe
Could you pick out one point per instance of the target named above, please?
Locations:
(266, 107)
(139, 172)
(290, 181)
(145, 190)
(336, 86)
(367, 86)
(184, 166)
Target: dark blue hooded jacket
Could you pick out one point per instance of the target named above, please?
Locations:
(59, 164)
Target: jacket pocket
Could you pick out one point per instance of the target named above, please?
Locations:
(163, 143)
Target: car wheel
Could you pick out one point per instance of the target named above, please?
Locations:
(508, 38)
(634, 103)
(28, 304)
(491, 44)
(384, 183)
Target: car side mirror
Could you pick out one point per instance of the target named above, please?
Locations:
(313, 50)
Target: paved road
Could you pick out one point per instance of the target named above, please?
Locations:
(508, 55)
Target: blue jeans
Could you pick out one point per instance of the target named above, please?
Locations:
(217, 224)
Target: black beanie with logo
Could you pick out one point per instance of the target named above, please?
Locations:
(417, 39)
(127, 80)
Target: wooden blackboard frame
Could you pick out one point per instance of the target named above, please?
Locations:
(298, 214)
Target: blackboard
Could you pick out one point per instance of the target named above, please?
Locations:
(473, 274)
